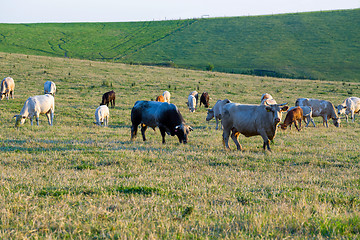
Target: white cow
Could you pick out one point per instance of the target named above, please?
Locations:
(166, 95)
(216, 112)
(307, 114)
(49, 88)
(102, 115)
(350, 105)
(7, 88)
(191, 103)
(251, 120)
(34, 106)
(320, 108)
(267, 98)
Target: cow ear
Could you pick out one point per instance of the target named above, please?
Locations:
(268, 108)
(285, 108)
(15, 116)
(191, 129)
(345, 107)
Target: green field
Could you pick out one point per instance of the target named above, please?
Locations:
(316, 45)
(79, 181)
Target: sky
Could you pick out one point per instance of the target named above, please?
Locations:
(39, 11)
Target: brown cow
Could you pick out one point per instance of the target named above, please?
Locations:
(204, 99)
(160, 98)
(108, 97)
(295, 114)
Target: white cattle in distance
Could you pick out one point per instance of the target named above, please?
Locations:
(350, 106)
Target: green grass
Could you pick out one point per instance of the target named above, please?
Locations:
(77, 180)
(316, 45)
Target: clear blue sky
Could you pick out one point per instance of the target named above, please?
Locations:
(33, 11)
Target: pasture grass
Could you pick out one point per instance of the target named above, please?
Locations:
(78, 180)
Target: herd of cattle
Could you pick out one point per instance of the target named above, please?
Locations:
(235, 118)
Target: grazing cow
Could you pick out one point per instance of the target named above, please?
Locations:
(160, 98)
(191, 103)
(34, 106)
(165, 116)
(49, 88)
(216, 112)
(350, 105)
(307, 114)
(7, 88)
(267, 98)
(166, 95)
(204, 99)
(108, 97)
(320, 108)
(251, 120)
(196, 95)
(294, 115)
(102, 115)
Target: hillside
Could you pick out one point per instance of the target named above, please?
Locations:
(317, 45)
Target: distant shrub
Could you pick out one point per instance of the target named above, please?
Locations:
(209, 67)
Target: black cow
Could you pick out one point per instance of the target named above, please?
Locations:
(165, 116)
(108, 97)
(204, 99)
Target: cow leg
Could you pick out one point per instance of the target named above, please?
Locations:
(296, 125)
(226, 134)
(48, 117)
(312, 120)
(217, 123)
(325, 122)
(163, 134)
(352, 116)
(266, 140)
(235, 137)
(37, 119)
(143, 129)
(31, 121)
(114, 103)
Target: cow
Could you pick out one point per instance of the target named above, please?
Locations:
(267, 98)
(7, 88)
(191, 103)
(320, 108)
(49, 88)
(251, 120)
(350, 105)
(34, 106)
(196, 95)
(166, 95)
(108, 97)
(216, 112)
(160, 98)
(102, 115)
(204, 99)
(293, 116)
(307, 115)
(165, 116)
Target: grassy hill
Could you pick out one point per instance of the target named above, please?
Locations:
(317, 45)
(79, 181)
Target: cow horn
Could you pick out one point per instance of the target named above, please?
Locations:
(191, 129)
(282, 104)
(15, 115)
(177, 127)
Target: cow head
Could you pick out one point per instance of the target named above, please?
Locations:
(19, 120)
(336, 121)
(182, 132)
(341, 109)
(210, 115)
(276, 110)
(2, 95)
